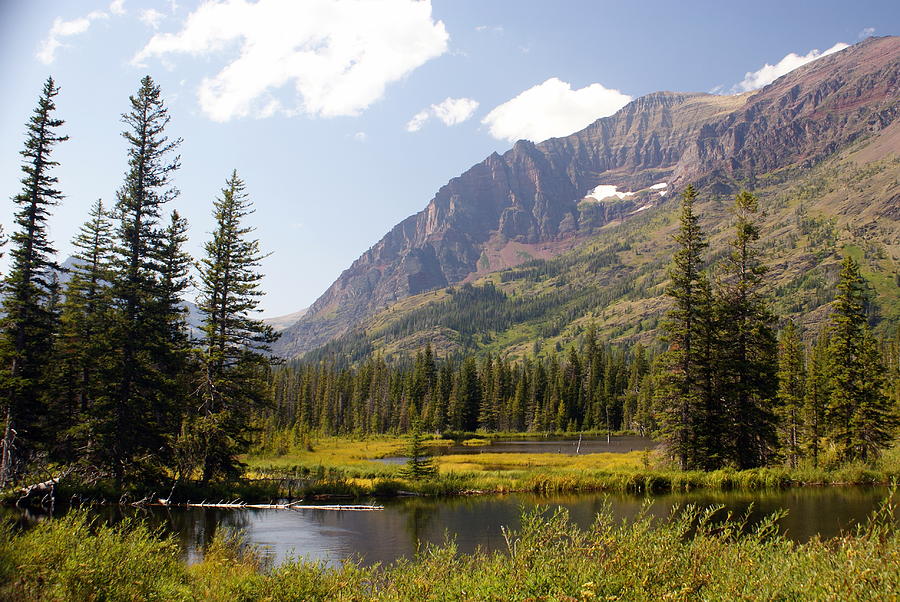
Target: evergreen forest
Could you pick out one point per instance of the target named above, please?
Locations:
(102, 375)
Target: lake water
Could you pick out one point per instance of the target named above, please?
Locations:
(404, 525)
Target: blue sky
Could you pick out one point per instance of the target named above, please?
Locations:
(346, 116)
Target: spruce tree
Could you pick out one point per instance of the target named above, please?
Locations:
(748, 350)
(815, 397)
(420, 465)
(83, 341)
(681, 401)
(234, 347)
(874, 422)
(27, 324)
(85, 306)
(858, 411)
(132, 414)
(791, 393)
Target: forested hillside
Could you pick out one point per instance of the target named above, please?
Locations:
(614, 283)
(818, 146)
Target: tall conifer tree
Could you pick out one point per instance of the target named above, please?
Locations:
(791, 392)
(680, 390)
(234, 358)
(858, 411)
(748, 350)
(27, 323)
(84, 322)
(133, 416)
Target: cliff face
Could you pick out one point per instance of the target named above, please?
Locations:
(530, 195)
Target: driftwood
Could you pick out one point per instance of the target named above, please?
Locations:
(38, 488)
(238, 505)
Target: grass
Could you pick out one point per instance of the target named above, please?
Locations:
(343, 466)
(692, 555)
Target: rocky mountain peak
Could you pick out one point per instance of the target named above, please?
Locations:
(527, 202)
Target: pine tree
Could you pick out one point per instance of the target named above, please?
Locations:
(858, 411)
(791, 392)
(83, 339)
(815, 398)
(27, 325)
(85, 306)
(419, 466)
(466, 398)
(748, 353)
(173, 358)
(130, 413)
(234, 358)
(680, 388)
(875, 420)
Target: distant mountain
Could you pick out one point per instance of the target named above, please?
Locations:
(538, 202)
(194, 318)
(279, 323)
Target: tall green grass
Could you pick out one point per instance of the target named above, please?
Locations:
(692, 555)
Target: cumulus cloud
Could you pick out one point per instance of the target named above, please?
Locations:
(754, 80)
(551, 109)
(866, 32)
(339, 55)
(450, 111)
(117, 7)
(152, 17)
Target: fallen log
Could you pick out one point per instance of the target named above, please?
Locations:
(238, 505)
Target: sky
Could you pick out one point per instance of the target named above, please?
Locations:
(343, 117)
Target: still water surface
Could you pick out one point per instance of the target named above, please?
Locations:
(404, 525)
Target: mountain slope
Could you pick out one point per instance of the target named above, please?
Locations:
(532, 202)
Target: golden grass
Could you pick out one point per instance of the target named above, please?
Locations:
(340, 453)
(493, 462)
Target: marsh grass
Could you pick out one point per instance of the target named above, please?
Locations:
(344, 466)
(693, 554)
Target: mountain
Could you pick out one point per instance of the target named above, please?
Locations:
(279, 323)
(539, 202)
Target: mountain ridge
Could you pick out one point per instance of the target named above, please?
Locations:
(531, 200)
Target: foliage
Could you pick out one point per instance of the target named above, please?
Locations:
(419, 466)
(233, 361)
(694, 554)
(860, 416)
(28, 320)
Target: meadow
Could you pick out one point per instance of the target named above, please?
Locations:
(346, 466)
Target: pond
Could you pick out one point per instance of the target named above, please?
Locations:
(404, 525)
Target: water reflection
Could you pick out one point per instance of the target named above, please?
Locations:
(406, 525)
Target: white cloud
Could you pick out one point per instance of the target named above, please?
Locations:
(152, 17)
(450, 111)
(454, 110)
(65, 29)
(754, 80)
(866, 32)
(338, 54)
(360, 136)
(551, 109)
(415, 124)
